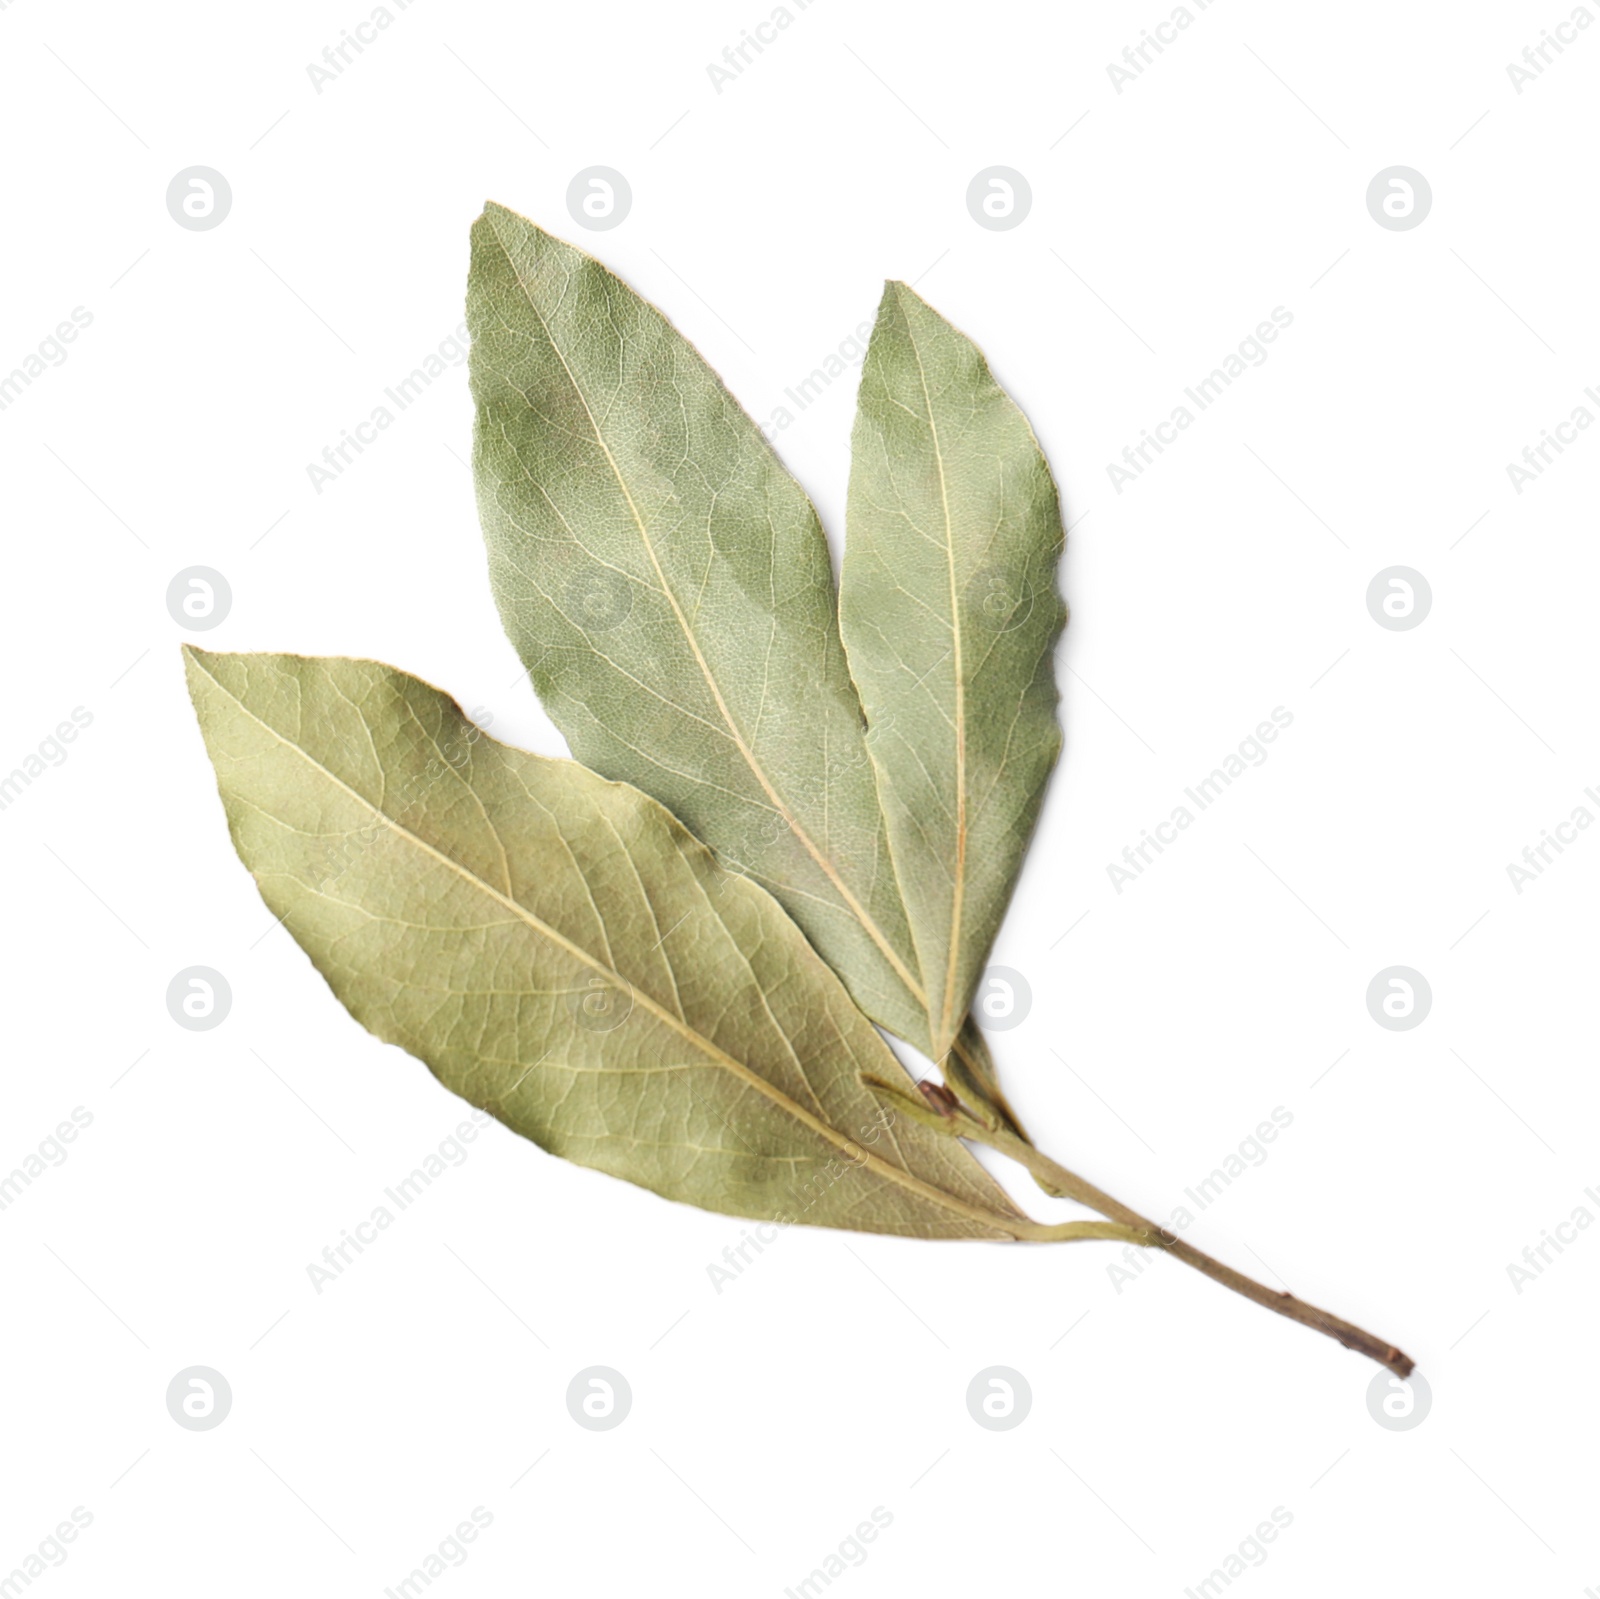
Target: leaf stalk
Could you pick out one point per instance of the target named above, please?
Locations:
(953, 1118)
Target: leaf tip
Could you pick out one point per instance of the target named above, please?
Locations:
(495, 216)
(901, 292)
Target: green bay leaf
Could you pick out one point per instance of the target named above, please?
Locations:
(950, 614)
(559, 950)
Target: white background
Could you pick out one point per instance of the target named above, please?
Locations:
(1168, 1419)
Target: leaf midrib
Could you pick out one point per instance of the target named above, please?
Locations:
(958, 889)
(697, 1040)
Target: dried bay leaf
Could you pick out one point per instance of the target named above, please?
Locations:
(560, 951)
(667, 584)
(950, 615)
(556, 946)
